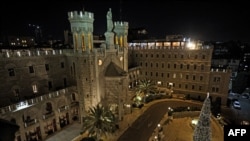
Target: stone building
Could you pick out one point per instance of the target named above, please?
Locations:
(182, 66)
(45, 90)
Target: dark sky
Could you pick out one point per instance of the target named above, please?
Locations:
(196, 19)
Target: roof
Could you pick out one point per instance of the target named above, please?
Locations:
(114, 70)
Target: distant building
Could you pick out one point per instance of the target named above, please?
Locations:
(140, 33)
(244, 65)
(21, 41)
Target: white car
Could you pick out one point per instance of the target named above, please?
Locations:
(236, 104)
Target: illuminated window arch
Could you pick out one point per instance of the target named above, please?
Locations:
(121, 41)
(83, 43)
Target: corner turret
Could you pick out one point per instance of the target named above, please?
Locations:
(121, 30)
(82, 29)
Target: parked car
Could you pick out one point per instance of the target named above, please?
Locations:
(245, 95)
(236, 104)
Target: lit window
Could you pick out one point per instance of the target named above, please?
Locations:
(34, 87)
(99, 62)
(174, 75)
(121, 58)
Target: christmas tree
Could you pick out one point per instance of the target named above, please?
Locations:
(202, 131)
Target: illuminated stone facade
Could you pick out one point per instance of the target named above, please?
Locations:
(45, 90)
(183, 66)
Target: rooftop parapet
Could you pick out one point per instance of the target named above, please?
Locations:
(223, 70)
(42, 53)
(150, 47)
(29, 53)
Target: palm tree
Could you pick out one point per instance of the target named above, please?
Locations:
(100, 121)
(144, 87)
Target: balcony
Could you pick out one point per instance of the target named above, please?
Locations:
(48, 115)
(74, 104)
(63, 108)
(30, 122)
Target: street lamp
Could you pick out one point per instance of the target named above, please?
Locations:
(170, 111)
(156, 138)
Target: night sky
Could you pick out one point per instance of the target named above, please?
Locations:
(199, 20)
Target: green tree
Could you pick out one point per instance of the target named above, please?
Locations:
(99, 121)
(145, 86)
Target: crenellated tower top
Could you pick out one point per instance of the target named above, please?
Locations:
(81, 16)
(121, 30)
(82, 28)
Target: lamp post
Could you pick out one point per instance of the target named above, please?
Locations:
(156, 138)
(170, 111)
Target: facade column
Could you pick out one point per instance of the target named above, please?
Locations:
(41, 124)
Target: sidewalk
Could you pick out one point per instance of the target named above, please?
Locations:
(66, 134)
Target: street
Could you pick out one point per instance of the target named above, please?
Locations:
(144, 126)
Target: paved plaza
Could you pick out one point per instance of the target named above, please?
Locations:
(180, 129)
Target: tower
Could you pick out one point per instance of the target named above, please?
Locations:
(121, 34)
(82, 30)
(83, 59)
(101, 73)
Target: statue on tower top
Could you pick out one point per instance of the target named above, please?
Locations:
(110, 25)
